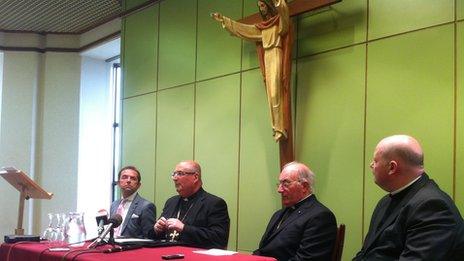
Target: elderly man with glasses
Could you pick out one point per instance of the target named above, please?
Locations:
(194, 217)
(304, 229)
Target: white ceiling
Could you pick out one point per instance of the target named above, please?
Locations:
(104, 51)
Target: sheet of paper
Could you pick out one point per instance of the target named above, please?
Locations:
(125, 240)
(215, 252)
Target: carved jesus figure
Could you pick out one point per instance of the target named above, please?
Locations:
(273, 39)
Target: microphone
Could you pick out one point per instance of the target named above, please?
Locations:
(102, 220)
(113, 222)
(121, 248)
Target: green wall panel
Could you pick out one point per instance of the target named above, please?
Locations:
(330, 123)
(224, 122)
(249, 7)
(410, 91)
(218, 51)
(397, 16)
(128, 4)
(138, 139)
(177, 43)
(459, 195)
(174, 140)
(460, 9)
(140, 53)
(340, 25)
(259, 164)
(249, 57)
(217, 140)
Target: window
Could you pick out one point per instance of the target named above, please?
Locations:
(116, 93)
(98, 138)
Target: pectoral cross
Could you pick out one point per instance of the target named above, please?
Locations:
(295, 7)
(173, 235)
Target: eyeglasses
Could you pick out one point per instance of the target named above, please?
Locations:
(285, 183)
(180, 173)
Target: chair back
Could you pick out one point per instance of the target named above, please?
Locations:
(339, 241)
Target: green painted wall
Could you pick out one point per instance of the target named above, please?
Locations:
(192, 91)
(138, 138)
(329, 133)
(459, 146)
(177, 43)
(140, 53)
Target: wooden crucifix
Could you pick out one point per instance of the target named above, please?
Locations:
(271, 29)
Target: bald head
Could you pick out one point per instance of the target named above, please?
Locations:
(187, 178)
(403, 147)
(191, 166)
(397, 161)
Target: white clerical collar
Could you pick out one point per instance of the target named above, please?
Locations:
(296, 204)
(131, 197)
(309, 195)
(404, 187)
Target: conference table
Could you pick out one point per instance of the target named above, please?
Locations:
(35, 251)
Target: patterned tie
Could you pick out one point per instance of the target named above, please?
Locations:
(120, 211)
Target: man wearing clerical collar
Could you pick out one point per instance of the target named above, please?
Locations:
(138, 214)
(194, 217)
(416, 220)
(303, 230)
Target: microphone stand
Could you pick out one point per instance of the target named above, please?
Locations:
(114, 221)
(111, 239)
(103, 241)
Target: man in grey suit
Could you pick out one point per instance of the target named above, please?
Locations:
(138, 213)
(305, 229)
(416, 220)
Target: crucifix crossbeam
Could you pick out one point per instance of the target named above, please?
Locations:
(295, 7)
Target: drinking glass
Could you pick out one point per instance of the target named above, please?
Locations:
(58, 236)
(48, 232)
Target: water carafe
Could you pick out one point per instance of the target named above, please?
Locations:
(76, 227)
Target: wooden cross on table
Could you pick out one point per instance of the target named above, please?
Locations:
(295, 7)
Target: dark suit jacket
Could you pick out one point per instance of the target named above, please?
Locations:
(307, 234)
(140, 217)
(424, 225)
(207, 223)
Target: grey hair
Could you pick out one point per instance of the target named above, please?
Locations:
(304, 173)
